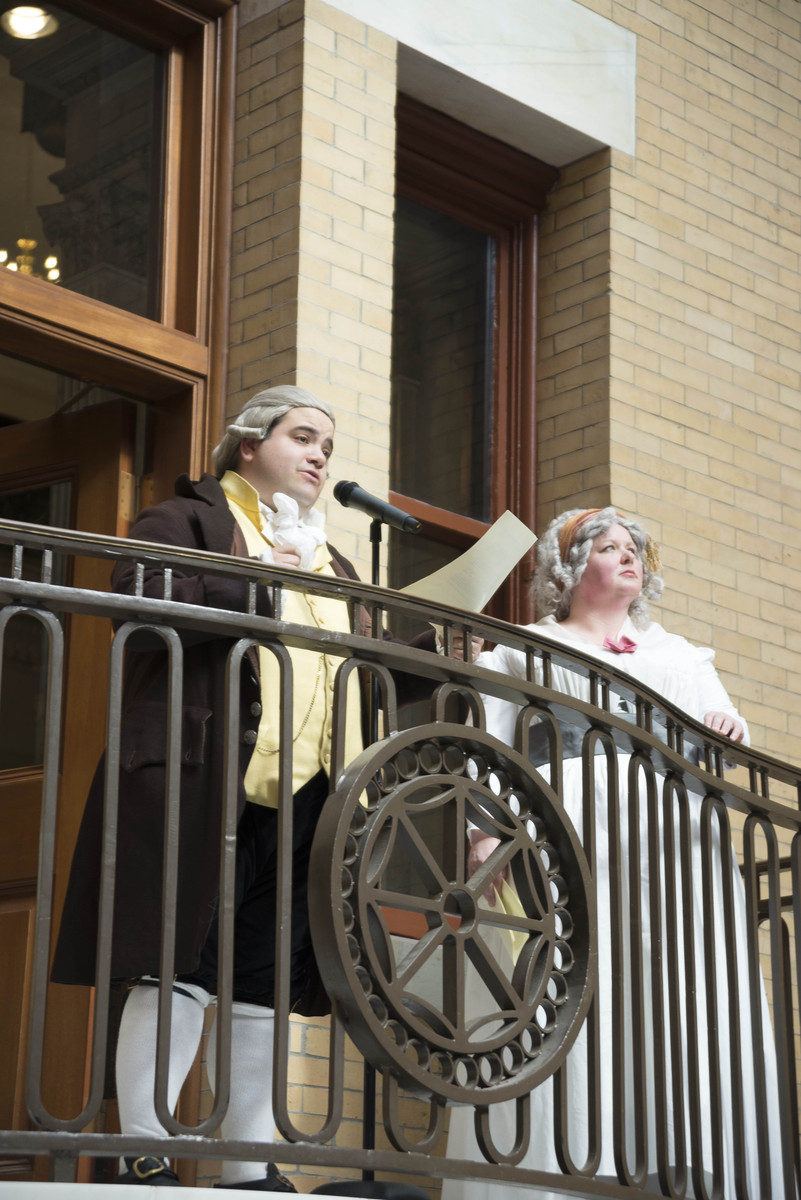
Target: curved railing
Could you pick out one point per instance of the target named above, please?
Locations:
(624, 933)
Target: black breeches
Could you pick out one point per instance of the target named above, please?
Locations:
(255, 902)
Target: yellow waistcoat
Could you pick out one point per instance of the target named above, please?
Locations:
(312, 673)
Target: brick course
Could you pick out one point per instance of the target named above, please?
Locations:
(312, 261)
(700, 297)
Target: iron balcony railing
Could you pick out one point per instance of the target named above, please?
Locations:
(603, 1030)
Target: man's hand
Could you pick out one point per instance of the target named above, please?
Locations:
(725, 724)
(286, 555)
(481, 847)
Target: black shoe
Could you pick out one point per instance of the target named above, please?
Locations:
(148, 1169)
(274, 1181)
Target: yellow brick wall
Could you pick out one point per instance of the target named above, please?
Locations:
(701, 313)
(345, 287)
(265, 260)
(573, 412)
(312, 250)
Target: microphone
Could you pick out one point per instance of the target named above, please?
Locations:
(352, 496)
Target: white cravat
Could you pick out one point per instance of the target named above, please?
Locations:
(286, 525)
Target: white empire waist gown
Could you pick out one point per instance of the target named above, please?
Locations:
(685, 676)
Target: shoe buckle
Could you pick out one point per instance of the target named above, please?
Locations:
(141, 1173)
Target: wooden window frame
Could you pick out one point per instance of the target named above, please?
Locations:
(447, 166)
(178, 362)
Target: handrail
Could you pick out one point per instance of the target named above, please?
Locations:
(388, 600)
(657, 737)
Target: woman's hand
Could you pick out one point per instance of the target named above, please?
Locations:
(725, 724)
(481, 847)
(457, 646)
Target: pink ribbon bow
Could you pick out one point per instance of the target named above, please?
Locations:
(624, 646)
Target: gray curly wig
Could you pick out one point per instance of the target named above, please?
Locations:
(259, 417)
(554, 579)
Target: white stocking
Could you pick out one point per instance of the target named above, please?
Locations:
(250, 1111)
(136, 1055)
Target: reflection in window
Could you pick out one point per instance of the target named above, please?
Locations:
(441, 361)
(81, 146)
(23, 694)
(29, 392)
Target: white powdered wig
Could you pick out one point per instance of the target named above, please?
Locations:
(554, 579)
(258, 419)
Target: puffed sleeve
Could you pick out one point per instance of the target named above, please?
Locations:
(501, 714)
(712, 695)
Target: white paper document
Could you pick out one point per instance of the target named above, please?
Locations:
(472, 579)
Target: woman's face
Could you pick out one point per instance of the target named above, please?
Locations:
(613, 570)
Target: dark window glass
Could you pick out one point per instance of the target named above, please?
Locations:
(412, 556)
(441, 361)
(81, 143)
(29, 392)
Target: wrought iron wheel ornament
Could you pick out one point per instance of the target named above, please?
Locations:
(456, 1011)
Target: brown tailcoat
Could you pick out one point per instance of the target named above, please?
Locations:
(198, 518)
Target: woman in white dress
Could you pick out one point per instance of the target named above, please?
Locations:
(596, 569)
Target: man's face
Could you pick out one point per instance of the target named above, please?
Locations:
(292, 460)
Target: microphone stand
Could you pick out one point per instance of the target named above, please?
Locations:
(349, 493)
(369, 1076)
(375, 542)
(370, 1091)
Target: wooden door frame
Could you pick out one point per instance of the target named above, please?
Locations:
(92, 450)
(182, 357)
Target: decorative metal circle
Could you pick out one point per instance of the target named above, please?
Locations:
(479, 1002)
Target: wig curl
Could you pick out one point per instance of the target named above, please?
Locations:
(554, 580)
(258, 419)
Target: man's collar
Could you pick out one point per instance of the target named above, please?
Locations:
(242, 493)
(207, 488)
(245, 495)
(307, 531)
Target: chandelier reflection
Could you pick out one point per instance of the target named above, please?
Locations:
(25, 261)
(29, 22)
